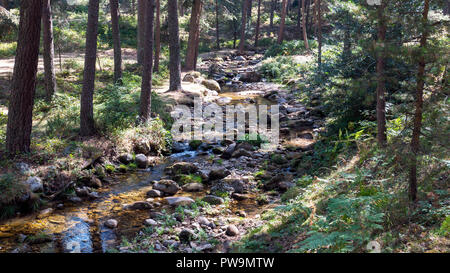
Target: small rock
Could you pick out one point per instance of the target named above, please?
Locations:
(125, 159)
(188, 78)
(167, 186)
(35, 184)
(232, 230)
(220, 173)
(154, 193)
(182, 168)
(179, 201)
(241, 152)
(241, 213)
(141, 161)
(139, 205)
(111, 223)
(203, 221)
(151, 222)
(193, 187)
(44, 213)
(239, 196)
(156, 215)
(228, 151)
(213, 200)
(212, 85)
(186, 235)
(23, 168)
(284, 186)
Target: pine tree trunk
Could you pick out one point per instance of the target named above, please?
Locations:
(258, 23)
(174, 46)
(243, 23)
(87, 126)
(381, 88)
(194, 33)
(283, 19)
(146, 86)
(319, 33)
(116, 39)
(299, 15)
(23, 86)
(141, 31)
(415, 140)
(272, 13)
(49, 50)
(305, 34)
(157, 35)
(217, 26)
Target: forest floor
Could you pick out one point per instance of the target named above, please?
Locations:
(208, 196)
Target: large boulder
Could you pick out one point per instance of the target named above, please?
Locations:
(169, 187)
(212, 85)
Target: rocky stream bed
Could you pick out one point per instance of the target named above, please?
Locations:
(145, 202)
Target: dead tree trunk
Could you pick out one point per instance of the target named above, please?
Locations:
(174, 46)
(146, 86)
(23, 87)
(49, 50)
(87, 126)
(116, 40)
(415, 140)
(381, 88)
(194, 33)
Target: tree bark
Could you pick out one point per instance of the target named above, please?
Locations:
(243, 23)
(116, 40)
(381, 88)
(217, 26)
(194, 33)
(146, 86)
(174, 46)
(258, 23)
(319, 33)
(415, 140)
(272, 13)
(141, 31)
(305, 34)
(283, 19)
(87, 126)
(49, 50)
(23, 87)
(157, 35)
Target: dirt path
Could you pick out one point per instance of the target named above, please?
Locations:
(7, 64)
